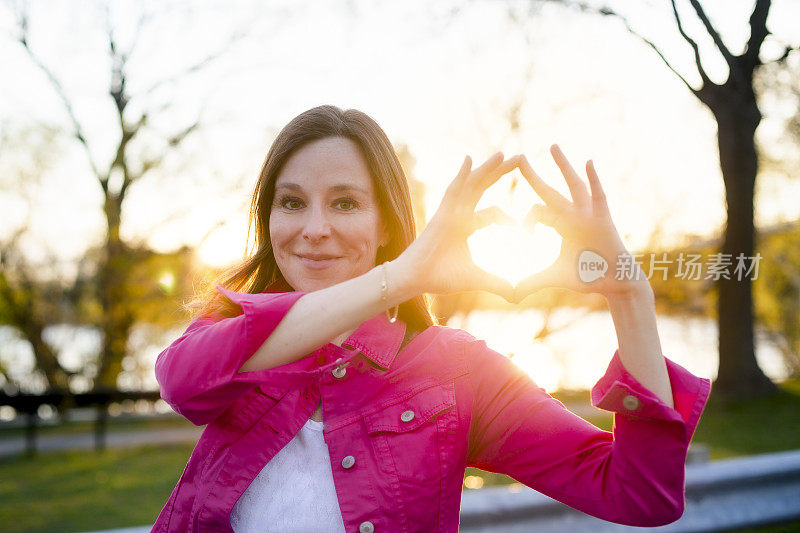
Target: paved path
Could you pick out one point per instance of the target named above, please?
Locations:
(132, 437)
(114, 439)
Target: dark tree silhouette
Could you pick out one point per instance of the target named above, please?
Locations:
(734, 104)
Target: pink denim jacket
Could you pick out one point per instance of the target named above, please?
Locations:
(413, 417)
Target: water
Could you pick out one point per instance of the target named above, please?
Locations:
(573, 357)
(577, 355)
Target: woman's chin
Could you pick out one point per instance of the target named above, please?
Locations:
(312, 284)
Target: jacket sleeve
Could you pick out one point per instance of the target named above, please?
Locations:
(633, 475)
(199, 372)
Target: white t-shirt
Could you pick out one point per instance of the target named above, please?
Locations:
(294, 492)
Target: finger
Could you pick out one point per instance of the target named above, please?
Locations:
(463, 173)
(487, 171)
(548, 277)
(532, 218)
(599, 202)
(478, 182)
(484, 217)
(576, 187)
(504, 168)
(453, 191)
(489, 164)
(549, 217)
(551, 196)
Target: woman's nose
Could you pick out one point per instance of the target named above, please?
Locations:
(317, 226)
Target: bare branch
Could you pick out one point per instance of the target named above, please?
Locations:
(118, 63)
(200, 65)
(729, 59)
(149, 164)
(178, 138)
(143, 19)
(547, 329)
(693, 44)
(785, 54)
(758, 32)
(607, 11)
(23, 39)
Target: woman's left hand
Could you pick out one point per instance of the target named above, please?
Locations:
(587, 232)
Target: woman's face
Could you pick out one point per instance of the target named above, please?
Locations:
(325, 224)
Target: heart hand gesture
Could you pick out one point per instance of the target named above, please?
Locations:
(589, 237)
(439, 260)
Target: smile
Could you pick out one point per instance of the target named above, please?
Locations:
(317, 262)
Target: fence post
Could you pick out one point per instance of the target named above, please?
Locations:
(100, 427)
(30, 434)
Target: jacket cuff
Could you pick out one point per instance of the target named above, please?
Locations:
(263, 312)
(619, 392)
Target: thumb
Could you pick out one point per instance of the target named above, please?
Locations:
(484, 217)
(549, 217)
(494, 284)
(532, 218)
(541, 280)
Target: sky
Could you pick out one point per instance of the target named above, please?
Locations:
(439, 77)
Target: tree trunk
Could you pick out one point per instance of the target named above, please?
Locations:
(113, 288)
(739, 374)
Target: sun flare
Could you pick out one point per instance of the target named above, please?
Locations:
(513, 252)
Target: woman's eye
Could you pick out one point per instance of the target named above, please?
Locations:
(291, 203)
(346, 204)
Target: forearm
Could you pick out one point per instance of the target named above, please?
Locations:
(639, 346)
(320, 316)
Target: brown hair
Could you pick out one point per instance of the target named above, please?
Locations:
(259, 271)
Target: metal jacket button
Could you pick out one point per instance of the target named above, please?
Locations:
(407, 416)
(366, 527)
(631, 403)
(339, 372)
(348, 461)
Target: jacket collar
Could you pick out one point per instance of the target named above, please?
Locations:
(376, 338)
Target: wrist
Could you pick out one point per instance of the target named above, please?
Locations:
(402, 283)
(639, 293)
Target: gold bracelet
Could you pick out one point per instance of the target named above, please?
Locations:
(385, 296)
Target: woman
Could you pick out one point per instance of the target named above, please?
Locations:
(335, 403)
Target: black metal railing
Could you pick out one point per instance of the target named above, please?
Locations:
(28, 405)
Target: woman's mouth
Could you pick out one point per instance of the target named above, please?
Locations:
(317, 261)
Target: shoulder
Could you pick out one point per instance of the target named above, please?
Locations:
(453, 339)
(453, 345)
(474, 353)
(456, 339)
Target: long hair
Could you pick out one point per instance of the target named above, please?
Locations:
(260, 270)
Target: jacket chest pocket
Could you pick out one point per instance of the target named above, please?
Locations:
(410, 437)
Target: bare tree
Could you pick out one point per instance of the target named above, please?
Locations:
(108, 280)
(735, 107)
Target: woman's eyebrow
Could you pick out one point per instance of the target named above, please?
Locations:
(292, 186)
(348, 187)
(337, 188)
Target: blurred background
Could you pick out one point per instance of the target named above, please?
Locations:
(132, 133)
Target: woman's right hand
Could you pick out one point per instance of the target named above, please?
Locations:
(439, 261)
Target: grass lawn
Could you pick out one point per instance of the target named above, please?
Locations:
(745, 428)
(85, 490)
